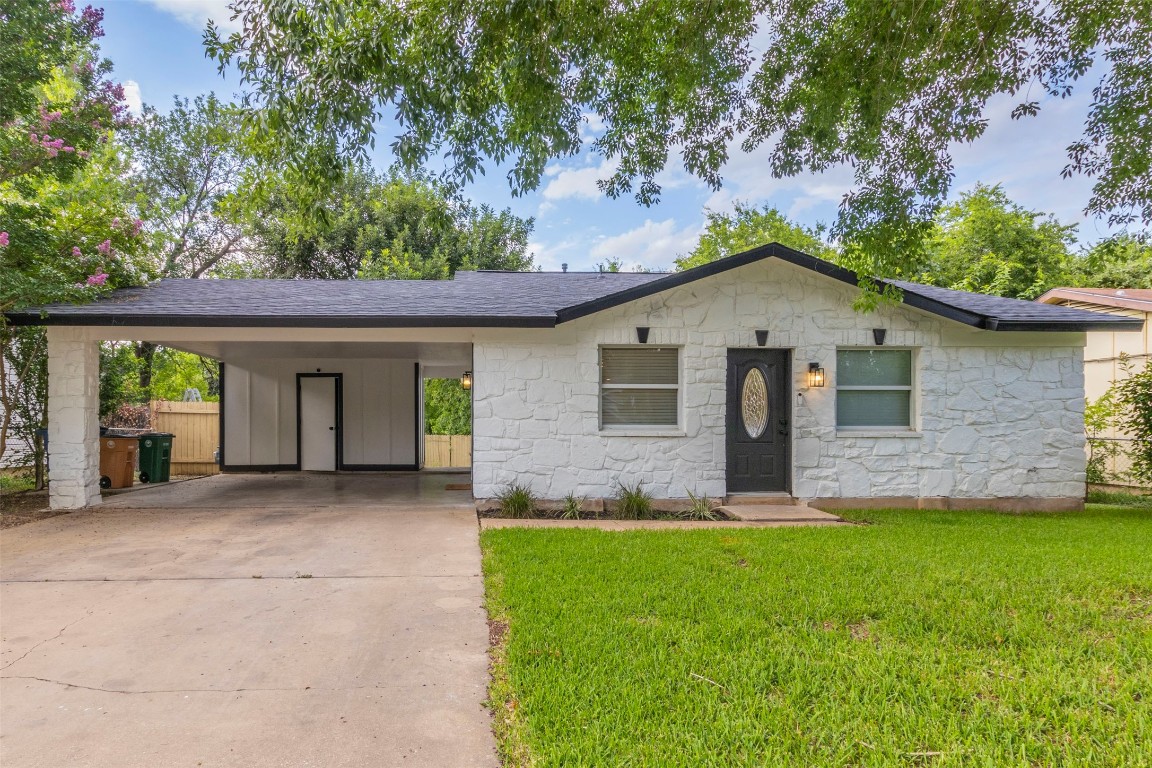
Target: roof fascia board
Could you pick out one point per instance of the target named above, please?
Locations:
(302, 321)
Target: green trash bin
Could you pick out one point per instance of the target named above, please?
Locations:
(155, 457)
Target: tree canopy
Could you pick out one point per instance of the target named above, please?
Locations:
(886, 87)
(381, 226)
(747, 227)
(189, 163)
(984, 242)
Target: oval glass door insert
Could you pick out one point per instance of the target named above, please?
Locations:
(754, 403)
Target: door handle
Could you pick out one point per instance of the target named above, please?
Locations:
(331, 428)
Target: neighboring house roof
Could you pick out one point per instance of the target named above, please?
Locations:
(520, 299)
(1139, 299)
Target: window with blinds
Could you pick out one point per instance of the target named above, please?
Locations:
(874, 389)
(639, 387)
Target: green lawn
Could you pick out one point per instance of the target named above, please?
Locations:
(925, 638)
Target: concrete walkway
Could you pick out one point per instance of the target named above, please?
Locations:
(182, 631)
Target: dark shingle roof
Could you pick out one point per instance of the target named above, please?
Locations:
(472, 299)
(524, 299)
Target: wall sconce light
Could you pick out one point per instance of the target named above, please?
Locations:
(815, 375)
(642, 333)
(761, 338)
(878, 335)
(466, 380)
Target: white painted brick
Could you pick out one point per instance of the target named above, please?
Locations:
(987, 414)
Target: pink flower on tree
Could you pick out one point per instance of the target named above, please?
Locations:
(3, 239)
(76, 251)
(116, 223)
(137, 226)
(105, 247)
(98, 278)
(66, 6)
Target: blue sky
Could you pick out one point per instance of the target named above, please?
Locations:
(156, 48)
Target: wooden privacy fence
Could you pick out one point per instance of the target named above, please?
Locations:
(196, 427)
(447, 451)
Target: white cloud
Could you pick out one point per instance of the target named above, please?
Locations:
(577, 183)
(654, 244)
(591, 126)
(551, 256)
(132, 97)
(196, 13)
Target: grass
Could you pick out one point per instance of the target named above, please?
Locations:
(16, 482)
(1119, 499)
(925, 638)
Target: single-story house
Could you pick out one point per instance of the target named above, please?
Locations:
(753, 374)
(1106, 350)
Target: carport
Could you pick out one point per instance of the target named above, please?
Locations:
(315, 375)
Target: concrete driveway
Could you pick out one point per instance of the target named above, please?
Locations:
(179, 627)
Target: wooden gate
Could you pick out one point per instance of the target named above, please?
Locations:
(196, 427)
(441, 451)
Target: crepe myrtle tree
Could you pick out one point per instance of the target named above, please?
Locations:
(68, 229)
(886, 88)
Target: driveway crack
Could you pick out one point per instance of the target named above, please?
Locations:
(50, 639)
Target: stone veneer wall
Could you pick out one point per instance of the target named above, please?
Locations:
(999, 415)
(73, 420)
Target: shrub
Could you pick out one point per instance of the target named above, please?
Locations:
(1134, 399)
(571, 509)
(633, 502)
(700, 509)
(516, 501)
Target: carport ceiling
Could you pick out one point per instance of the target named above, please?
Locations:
(428, 353)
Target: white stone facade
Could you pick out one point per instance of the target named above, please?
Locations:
(73, 420)
(998, 415)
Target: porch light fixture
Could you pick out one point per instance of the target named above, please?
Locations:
(642, 333)
(466, 380)
(761, 338)
(815, 375)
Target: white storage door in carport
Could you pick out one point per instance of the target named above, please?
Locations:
(318, 432)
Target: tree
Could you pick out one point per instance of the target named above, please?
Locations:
(188, 167)
(189, 164)
(57, 104)
(748, 227)
(1123, 261)
(986, 243)
(447, 408)
(67, 230)
(886, 87)
(66, 241)
(387, 227)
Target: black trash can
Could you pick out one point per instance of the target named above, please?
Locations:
(155, 457)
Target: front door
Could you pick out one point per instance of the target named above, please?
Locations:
(759, 420)
(318, 418)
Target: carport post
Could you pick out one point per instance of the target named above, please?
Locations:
(73, 419)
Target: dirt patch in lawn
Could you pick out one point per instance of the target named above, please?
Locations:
(25, 507)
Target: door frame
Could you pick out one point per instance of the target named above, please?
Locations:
(339, 377)
(788, 380)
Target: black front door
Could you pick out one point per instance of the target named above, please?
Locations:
(759, 420)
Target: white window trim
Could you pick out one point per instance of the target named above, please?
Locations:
(913, 428)
(641, 430)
